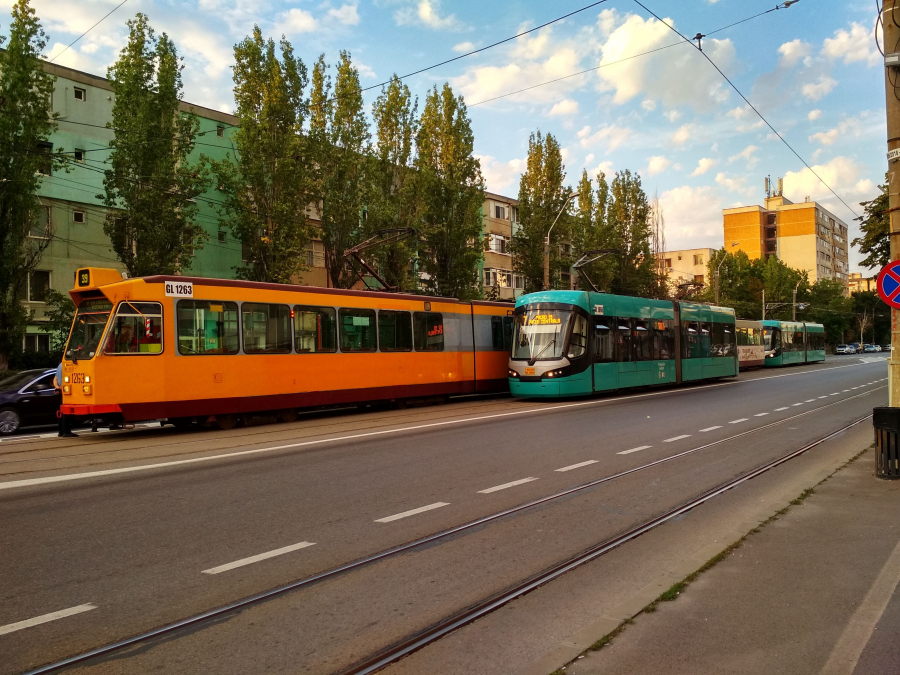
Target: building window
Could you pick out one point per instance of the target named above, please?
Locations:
(698, 278)
(566, 280)
(567, 249)
(514, 213)
(499, 211)
(79, 156)
(314, 254)
(667, 262)
(38, 285)
(770, 219)
(44, 164)
(221, 236)
(78, 216)
(698, 259)
(80, 94)
(37, 342)
(220, 132)
(518, 281)
(496, 243)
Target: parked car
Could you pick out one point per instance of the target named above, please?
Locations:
(855, 347)
(886, 348)
(843, 349)
(868, 349)
(28, 398)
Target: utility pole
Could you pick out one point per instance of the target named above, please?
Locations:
(764, 304)
(891, 37)
(794, 303)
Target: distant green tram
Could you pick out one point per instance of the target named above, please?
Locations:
(574, 343)
(789, 342)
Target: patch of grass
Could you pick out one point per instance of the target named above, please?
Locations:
(673, 592)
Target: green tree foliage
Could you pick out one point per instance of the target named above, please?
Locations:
(628, 230)
(268, 184)
(828, 306)
(590, 230)
(875, 224)
(25, 91)
(542, 194)
(151, 186)
(740, 285)
(59, 319)
(450, 191)
(393, 199)
(871, 318)
(340, 134)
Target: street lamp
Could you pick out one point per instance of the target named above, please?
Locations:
(547, 241)
(724, 257)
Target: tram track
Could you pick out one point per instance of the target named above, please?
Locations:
(434, 632)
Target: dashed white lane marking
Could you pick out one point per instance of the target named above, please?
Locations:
(44, 618)
(794, 405)
(412, 512)
(835, 393)
(710, 429)
(256, 558)
(845, 391)
(496, 488)
(810, 400)
(579, 465)
(628, 452)
(780, 409)
(743, 419)
(760, 414)
(823, 397)
(676, 438)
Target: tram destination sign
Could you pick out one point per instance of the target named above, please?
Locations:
(176, 289)
(889, 284)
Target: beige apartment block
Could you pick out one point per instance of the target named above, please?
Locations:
(688, 265)
(500, 218)
(804, 236)
(858, 282)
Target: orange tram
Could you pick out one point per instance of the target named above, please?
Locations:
(182, 349)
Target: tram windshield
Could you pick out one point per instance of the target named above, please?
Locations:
(88, 328)
(772, 339)
(540, 334)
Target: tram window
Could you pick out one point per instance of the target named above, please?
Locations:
(722, 340)
(394, 331)
(267, 328)
(624, 350)
(578, 341)
(358, 330)
(603, 342)
(137, 329)
(643, 341)
(315, 329)
(690, 340)
(798, 341)
(207, 327)
(665, 342)
(501, 332)
(428, 331)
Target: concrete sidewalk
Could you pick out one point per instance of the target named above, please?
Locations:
(813, 591)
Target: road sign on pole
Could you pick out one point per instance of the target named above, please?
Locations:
(889, 284)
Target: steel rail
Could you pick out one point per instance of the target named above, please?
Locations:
(258, 598)
(435, 632)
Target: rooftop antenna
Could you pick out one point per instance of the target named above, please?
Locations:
(780, 192)
(768, 186)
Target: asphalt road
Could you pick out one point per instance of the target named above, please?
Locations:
(235, 513)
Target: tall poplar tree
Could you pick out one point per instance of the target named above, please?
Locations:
(451, 194)
(393, 200)
(542, 193)
(628, 223)
(25, 92)
(268, 184)
(151, 186)
(341, 134)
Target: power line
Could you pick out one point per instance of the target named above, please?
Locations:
(752, 107)
(86, 32)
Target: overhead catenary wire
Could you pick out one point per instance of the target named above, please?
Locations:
(749, 104)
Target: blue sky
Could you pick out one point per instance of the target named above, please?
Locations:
(812, 69)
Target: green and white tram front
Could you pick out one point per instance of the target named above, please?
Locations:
(550, 351)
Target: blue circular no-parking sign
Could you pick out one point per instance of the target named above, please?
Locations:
(889, 284)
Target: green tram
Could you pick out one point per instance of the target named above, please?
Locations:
(791, 342)
(574, 343)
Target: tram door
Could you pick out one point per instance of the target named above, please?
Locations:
(606, 375)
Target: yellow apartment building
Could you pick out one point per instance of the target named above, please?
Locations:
(804, 236)
(685, 266)
(860, 283)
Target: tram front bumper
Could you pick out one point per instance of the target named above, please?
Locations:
(542, 389)
(80, 410)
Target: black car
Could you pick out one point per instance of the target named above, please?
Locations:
(28, 398)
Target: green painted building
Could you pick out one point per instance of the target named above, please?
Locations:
(72, 214)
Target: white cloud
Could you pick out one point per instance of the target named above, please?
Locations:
(677, 76)
(584, 131)
(738, 185)
(610, 135)
(843, 174)
(704, 165)
(814, 115)
(345, 14)
(672, 115)
(793, 52)
(498, 175)
(589, 158)
(427, 13)
(867, 122)
(857, 44)
(657, 164)
(743, 128)
(821, 87)
(365, 70)
(648, 104)
(739, 113)
(683, 134)
(297, 20)
(464, 47)
(567, 106)
(747, 154)
(693, 217)
(605, 167)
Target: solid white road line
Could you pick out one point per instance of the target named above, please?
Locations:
(53, 616)
(780, 409)
(628, 452)
(497, 488)
(676, 438)
(709, 429)
(421, 509)
(743, 419)
(577, 466)
(760, 414)
(256, 558)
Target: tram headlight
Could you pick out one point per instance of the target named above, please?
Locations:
(67, 389)
(87, 379)
(87, 389)
(66, 379)
(554, 373)
(513, 373)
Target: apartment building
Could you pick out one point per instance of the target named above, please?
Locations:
(857, 282)
(688, 265)
(805, 236)
(500, 218)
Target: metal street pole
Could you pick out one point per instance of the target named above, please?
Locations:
(547, 241)
(891, 38)
(719, 270)
(794, 308)
(764, 305)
